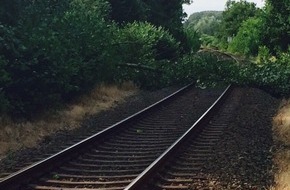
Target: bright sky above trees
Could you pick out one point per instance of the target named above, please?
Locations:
(218, 5)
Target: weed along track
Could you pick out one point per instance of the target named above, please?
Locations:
(116, 156)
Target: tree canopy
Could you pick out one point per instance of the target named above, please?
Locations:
(206, 22)
(52, 51)
(235, 14)
(277, 31)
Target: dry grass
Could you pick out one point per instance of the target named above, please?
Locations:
(282, 177)
(281, 134)
(27, 134)
(281, 123)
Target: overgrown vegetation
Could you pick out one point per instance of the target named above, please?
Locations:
(258, 36)
(53, 51)
(251, 48)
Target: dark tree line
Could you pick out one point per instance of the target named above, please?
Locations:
(277, 22)
(168, 14)
(54, 50)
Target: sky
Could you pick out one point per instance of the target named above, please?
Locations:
(209, 5)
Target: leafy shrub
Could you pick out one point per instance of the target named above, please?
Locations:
(248, 39)
(148, 42)
(150, 48)
(210, 41)
(271, 73)
(193, 39)
(182, 71)
(4, 81)
(57, 51)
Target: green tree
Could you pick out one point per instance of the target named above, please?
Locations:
(10, 11)
(277, 30)
(168, 14)
(234, 15)
(58, 50)
(249, 36)
(145, 50)
(193, 38)
(206, 22)
(124, 11)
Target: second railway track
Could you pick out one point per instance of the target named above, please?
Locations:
(113, 160)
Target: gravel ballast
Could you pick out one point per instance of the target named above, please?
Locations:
(244, 159)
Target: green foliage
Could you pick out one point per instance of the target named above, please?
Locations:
(4, 75)
(10, 46)
(206, 22)
(248, 39)
(250, 28)
(272, 73)
(148, 42)
(168, 14)
(147, 46)
(276, 33)
(53, 50)
(10, 11)
(59, 54)
(180, 72)
(88, 34)
(4, 81)
(193, 38)
(235, 14)
(210, 41)
(128, 10)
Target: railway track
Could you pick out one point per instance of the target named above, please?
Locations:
(183, 165)
(116, 156)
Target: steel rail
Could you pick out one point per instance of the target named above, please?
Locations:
(138, 182)
(14, 180)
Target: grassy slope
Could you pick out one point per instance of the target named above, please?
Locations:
(281, 130)
(14, 135)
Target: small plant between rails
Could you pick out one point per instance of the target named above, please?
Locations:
(113, 158)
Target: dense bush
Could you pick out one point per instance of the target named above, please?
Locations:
(52, 51)
(243, 30)
(4, 81)
(56, 50)
(271, 73)
(60, 53)
(148, 42)
(144, 50)
(249, 37)
(193, 38)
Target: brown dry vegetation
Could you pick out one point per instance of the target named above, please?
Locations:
(14, 135)
(281, 129)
